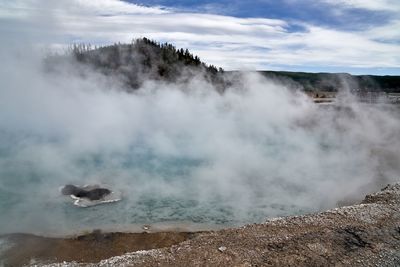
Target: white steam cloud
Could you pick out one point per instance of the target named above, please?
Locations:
(181, 152)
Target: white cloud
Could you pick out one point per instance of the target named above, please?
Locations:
(388, 32)
(375, 5)
(225, 41)
(97, 7)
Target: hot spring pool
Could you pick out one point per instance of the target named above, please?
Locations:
(166, 193)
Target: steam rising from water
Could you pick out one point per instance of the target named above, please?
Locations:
(181, 153)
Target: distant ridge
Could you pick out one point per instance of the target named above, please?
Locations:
(333, 82)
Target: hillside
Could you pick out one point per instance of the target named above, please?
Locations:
(140, 61)
(144, 60)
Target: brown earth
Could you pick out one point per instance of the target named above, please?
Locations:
(367, 234)
(93, 247)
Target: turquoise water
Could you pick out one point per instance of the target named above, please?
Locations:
(155, 190)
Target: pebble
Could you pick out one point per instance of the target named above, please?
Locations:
(222, 249)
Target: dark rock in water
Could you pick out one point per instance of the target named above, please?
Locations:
(92, 194)
(70, 189)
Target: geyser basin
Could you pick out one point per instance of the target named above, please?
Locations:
(184, 156)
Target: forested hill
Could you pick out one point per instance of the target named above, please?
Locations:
(335, 81)
(142, 60)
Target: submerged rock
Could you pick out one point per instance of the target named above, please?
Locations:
(90, 195)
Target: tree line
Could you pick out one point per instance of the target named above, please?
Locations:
(145, 59)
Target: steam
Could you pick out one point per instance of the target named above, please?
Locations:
(182, 152)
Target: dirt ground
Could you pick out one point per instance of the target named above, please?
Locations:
(367, 234)
(93, 247)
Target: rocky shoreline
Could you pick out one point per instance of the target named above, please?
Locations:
(366, 234)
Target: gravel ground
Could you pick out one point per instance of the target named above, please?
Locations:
(367, 234)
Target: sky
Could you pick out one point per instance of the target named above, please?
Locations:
(354, 36)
